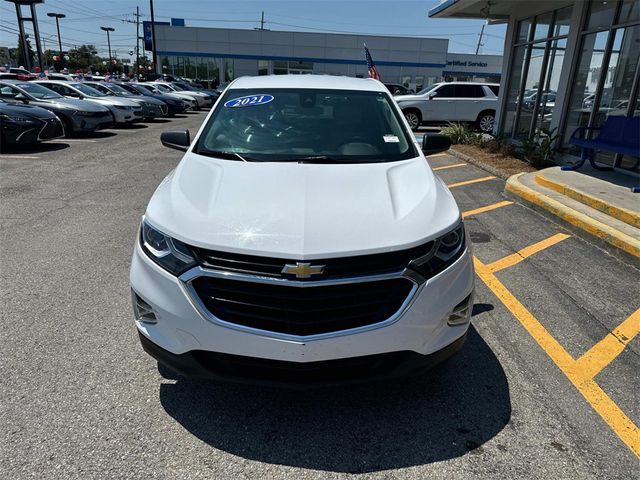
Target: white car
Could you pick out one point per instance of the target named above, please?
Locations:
(468, 102)
(122, 110)
(203, 100)
(189, 102)
(302, 239)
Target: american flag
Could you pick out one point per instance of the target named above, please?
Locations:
(373, 71)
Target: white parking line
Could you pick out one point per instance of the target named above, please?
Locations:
(18, 156)
(74, 140)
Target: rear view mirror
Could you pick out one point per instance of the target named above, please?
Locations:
(177, 139)
(433, 143)
(21, 98)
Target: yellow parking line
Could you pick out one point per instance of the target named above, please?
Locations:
(520, 255)
(445, 167)
(620, 423)
(469, 182)
(488, 208)
(607, 349)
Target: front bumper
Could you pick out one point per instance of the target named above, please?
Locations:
(422, 328)
(242, 369)
(90, 123)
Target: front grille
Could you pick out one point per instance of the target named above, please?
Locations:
(342, 267)
(302, 310)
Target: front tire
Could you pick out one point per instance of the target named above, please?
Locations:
(414, 119)
(486, 121)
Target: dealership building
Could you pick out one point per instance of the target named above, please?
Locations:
(566, 64)
(222, 54)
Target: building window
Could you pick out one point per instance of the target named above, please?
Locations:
(263, 67)
(606, 79)
(536, 64)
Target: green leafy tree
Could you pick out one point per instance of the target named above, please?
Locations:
(19, 55)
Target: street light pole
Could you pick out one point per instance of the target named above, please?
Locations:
(58, 16)
(109, 29)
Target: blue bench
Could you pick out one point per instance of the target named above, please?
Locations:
(617, 135)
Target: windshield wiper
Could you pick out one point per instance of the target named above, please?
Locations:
(225, 155)
(319, 159)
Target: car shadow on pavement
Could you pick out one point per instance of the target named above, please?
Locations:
(451, 411)
(40, 147)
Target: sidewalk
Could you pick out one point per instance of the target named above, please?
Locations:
(600, 204)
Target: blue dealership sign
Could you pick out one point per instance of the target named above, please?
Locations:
(146, 28)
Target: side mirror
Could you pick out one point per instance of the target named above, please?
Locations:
(432, 95)
(21, 98)
(178, 139)
(433, 143)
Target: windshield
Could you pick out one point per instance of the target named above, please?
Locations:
(309, 125)
(163, 88)
(87, 90)
(38, 91)
(428, 89)
(118, 90)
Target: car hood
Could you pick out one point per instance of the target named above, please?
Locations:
(26, 110)
(122, 102)
(73, 103)
(302, 211)
(409, 98)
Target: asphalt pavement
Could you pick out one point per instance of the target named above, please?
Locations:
(79, 399)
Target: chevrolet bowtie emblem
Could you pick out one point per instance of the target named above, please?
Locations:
(303, 270)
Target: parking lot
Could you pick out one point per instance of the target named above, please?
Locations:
(545, 387)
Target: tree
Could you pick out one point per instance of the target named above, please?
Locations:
(19, 56)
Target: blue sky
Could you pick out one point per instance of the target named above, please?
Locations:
(376, 17)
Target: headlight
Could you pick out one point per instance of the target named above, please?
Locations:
(82, 112)
(171, 254)
(446, 250)
(122, 107)
(10, 117)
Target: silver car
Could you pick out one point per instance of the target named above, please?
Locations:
(123, 111)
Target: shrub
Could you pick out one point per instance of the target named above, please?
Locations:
(508, 150)
(492, 146)
(457, 132)
(539, 150)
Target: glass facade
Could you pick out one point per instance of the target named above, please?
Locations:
(537, 60)
(605, 82)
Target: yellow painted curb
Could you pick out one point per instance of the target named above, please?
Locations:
(624, 215)
(608, 234)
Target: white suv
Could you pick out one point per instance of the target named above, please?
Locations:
(452, 102)
(302, 239)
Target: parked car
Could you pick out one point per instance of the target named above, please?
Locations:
(302, 238)
(174, 105)
(122, 110)
(452, 102)
(76, 115)
(194, 87)
(398, 89)
(26, 124)
(151, 107)
(189, 101)
(23, 74)
(60, 76)
(203, 100)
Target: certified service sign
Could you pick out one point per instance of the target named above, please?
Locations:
(249, 101)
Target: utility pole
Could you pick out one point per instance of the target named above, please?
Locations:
(262, 21)
(153, 38)
(58, 16)
(480, 39)
(137, 38)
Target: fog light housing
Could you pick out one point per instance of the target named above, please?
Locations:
(461, 313)
(142, 311)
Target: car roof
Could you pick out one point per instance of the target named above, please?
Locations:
(330, 82)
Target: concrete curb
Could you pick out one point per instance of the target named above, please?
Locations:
(600, 230)
(492, 170)
(622, 214)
